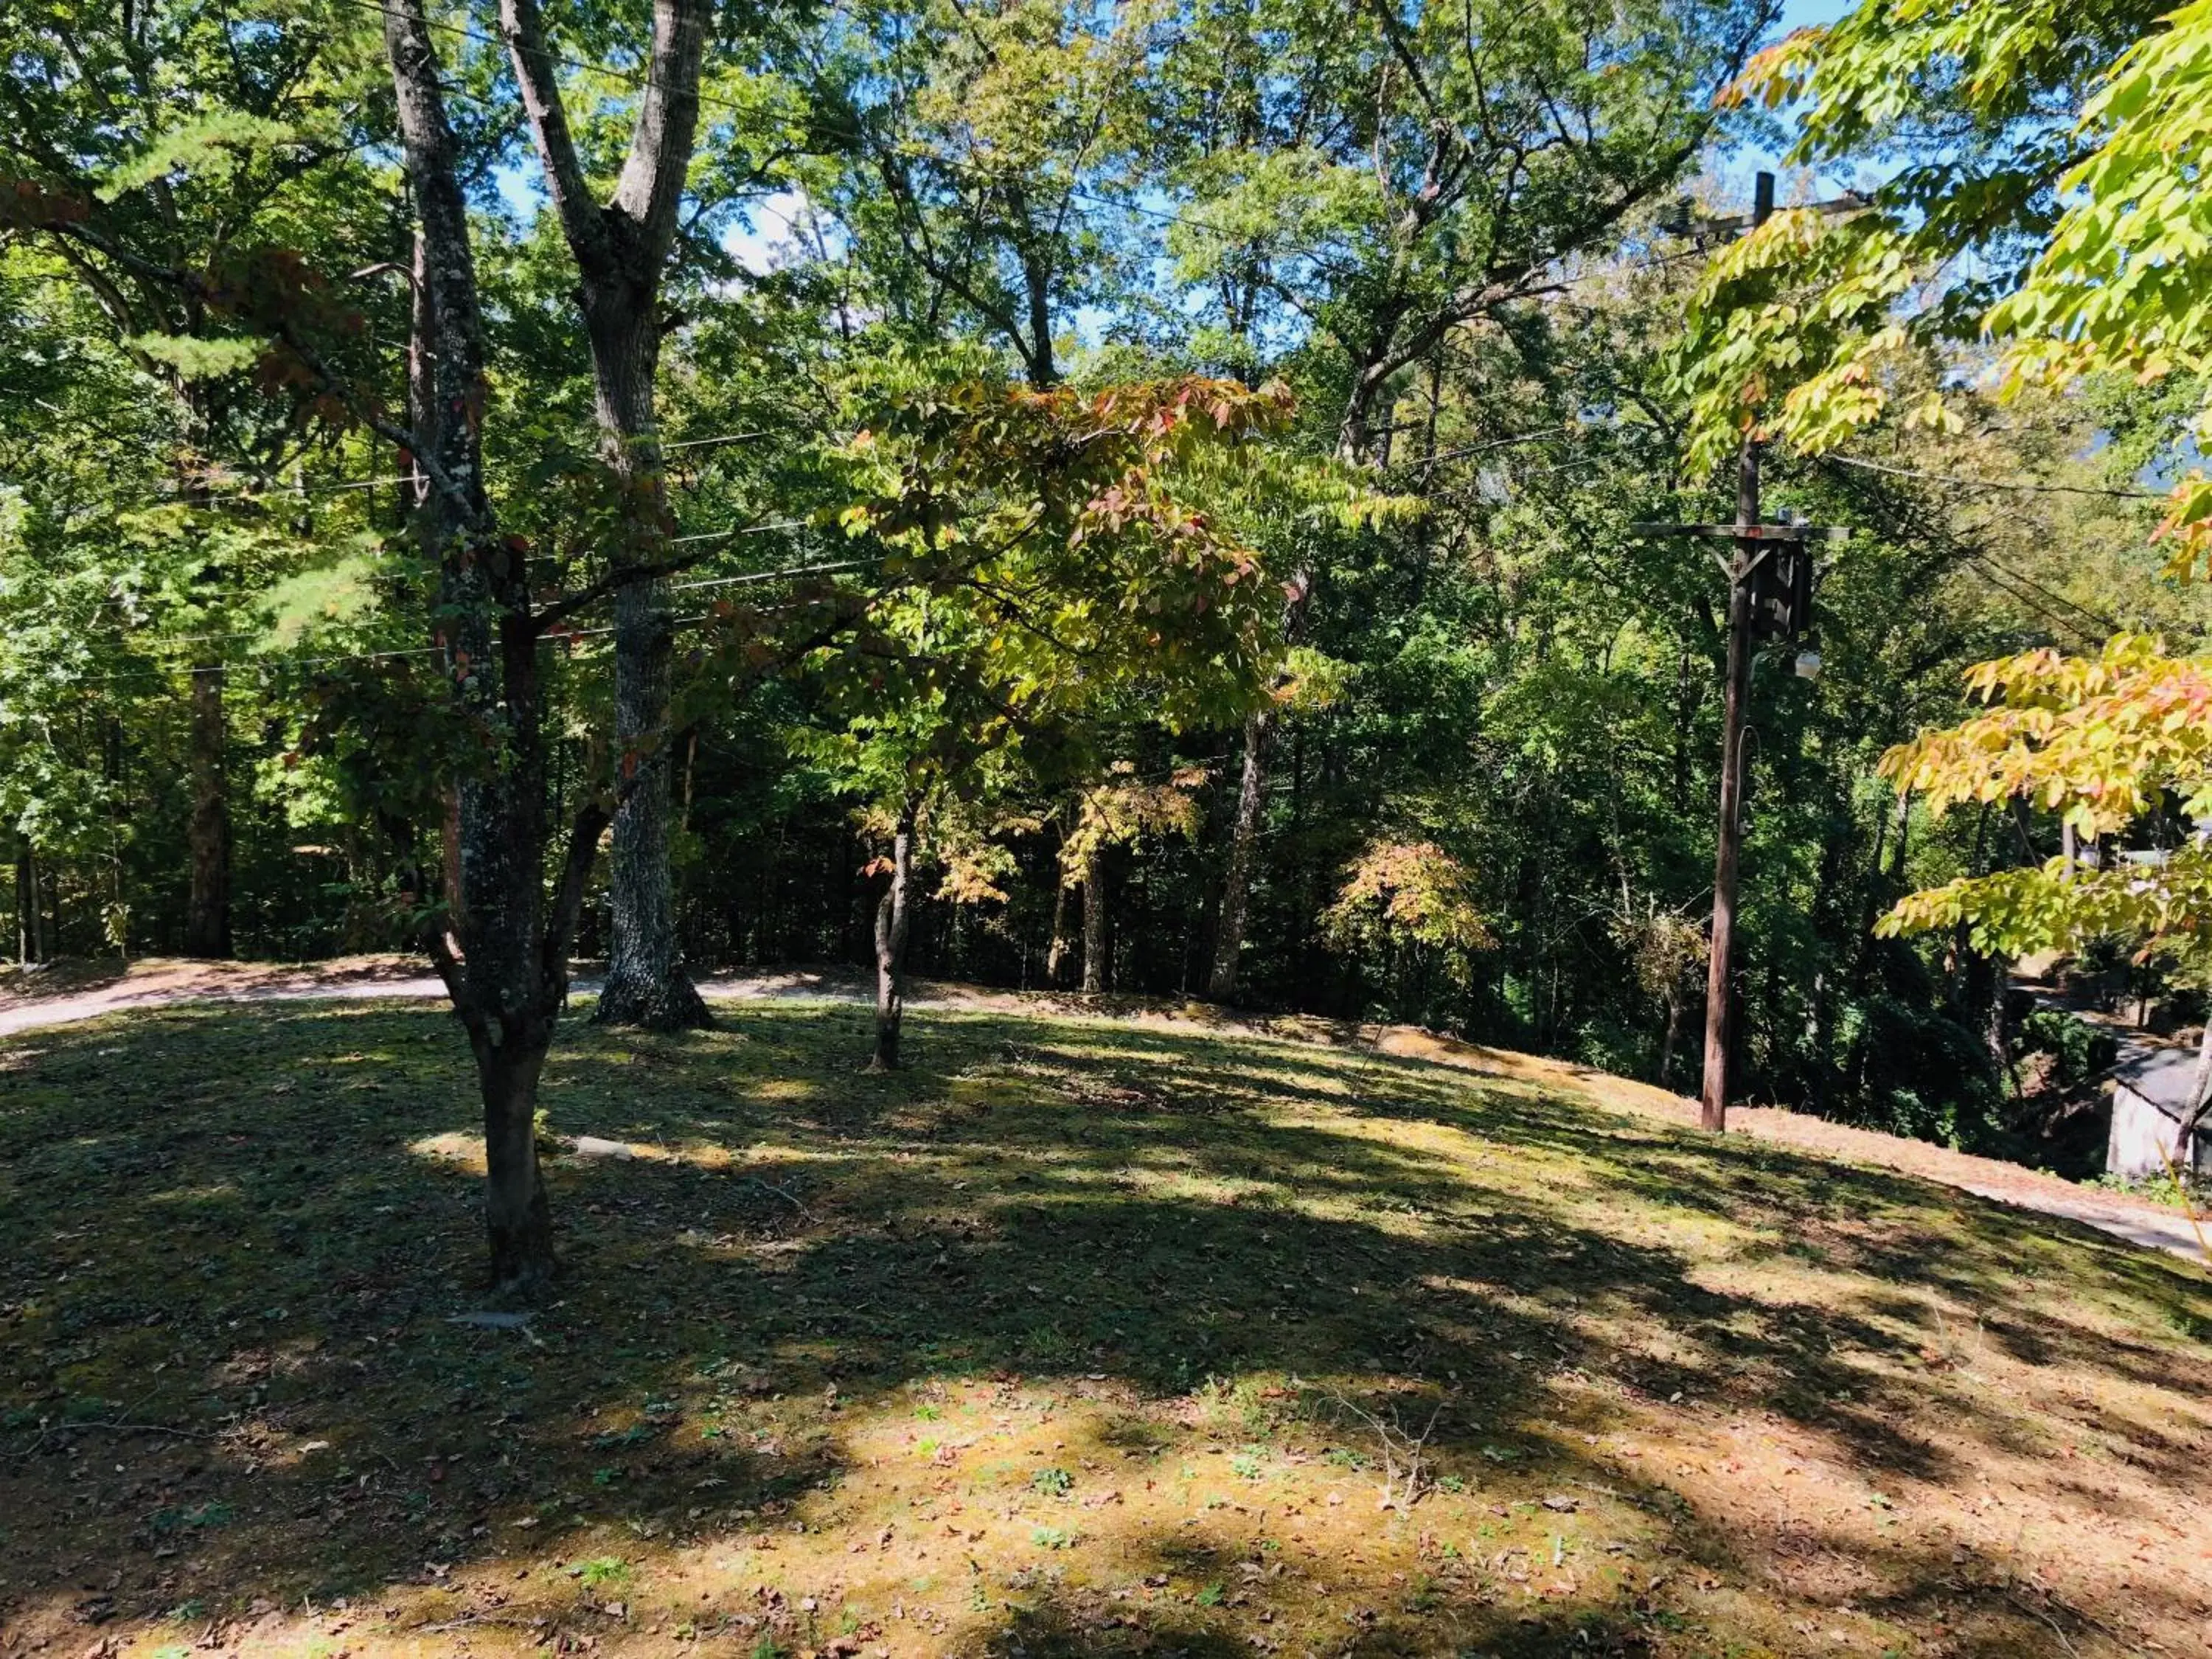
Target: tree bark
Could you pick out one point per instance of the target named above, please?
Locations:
(518, 1218)
(505, 962)
(1671, 1034)
(890, 947)
(1243, 849)
(449, 837)
(207, 915)
(621, 252)
(1094, 919)
(647, 984)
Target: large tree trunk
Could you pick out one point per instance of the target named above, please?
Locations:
(1094, 919)
(647, 984)
(1243, 850)
(890, 948)
(207, 915)
(621, 251)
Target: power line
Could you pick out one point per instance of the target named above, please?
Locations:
(830, 569)
(741, 529)
(1413, 461)
(1991, 567)
(1989, 559)
(155, 670)
(2022, 486)
(273, 488)
(1991, 574)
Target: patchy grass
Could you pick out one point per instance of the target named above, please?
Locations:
(1077, 1338)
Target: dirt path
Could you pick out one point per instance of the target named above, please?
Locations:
(33, 1001)
(36, 1001)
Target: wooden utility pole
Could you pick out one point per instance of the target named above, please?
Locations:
(1770, 591)
(1712, 1111)
(1720, 982)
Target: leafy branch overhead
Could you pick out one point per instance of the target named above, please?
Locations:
(1053, 546)
(2104, 742)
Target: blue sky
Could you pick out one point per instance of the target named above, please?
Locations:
(1799, 13)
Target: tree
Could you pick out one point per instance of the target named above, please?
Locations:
(1411, 898)
(1119, 810)
(983, 143)
(1055, 567)
(1399, 178)
(621, 252)
(502, 945)
(176, 224)
(911, 758)
(2119, 746)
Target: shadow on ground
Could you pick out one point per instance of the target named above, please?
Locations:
(1075, 1338)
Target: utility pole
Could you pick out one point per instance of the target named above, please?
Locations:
(1720, 960)
(1720, 982)
(1769, 573)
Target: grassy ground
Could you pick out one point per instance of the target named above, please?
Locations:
(1076, 1338)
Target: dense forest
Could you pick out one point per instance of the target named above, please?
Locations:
(1164, 498)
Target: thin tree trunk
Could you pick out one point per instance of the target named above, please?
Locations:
(1243, 849)
(207, 915)
(2200, 1099)
(890, 948)
(27, 905)
(1055, 956)
(1094, 919)
(518, 1220)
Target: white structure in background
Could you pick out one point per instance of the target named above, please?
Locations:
(2150, 1096)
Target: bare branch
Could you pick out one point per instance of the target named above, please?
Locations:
(552, 616)
(652, 184)
(537, 75)
(584, 832)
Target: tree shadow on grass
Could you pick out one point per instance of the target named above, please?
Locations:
(250, 1230)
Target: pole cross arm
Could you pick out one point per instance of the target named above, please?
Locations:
(1680, 222)
(1749, 532)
